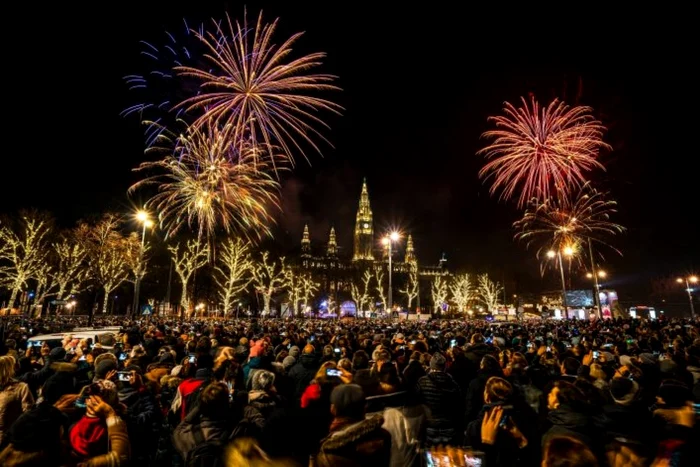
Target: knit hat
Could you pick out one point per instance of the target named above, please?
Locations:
(58, 385)
(263, 380)
(294, 351)
(59, 353)
(437, 362)
(626, 360)
(104, 367)
(623, 390)
(288, 362)
(348, 400)
(38, 430)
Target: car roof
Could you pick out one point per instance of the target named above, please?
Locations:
(58, 336)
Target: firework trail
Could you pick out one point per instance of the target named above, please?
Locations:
(558, 223)
(541, 152)
(159, 88)
(251, 87)
(202, 185)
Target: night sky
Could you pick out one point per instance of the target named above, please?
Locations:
(418, 85)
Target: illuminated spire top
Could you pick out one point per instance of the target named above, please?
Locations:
(332, 245)
(364, 230)
(305, 241)
(410, 252)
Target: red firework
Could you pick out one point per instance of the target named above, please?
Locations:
(539, 152)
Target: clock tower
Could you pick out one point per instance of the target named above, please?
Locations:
(363, 244)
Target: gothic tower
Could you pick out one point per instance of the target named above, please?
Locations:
(364, 231)
(332, 245)
(410, 252)
(306, 242)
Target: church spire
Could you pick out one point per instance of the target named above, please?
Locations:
(363, 243)
(410, 252)
(332, 245)
(305, 241)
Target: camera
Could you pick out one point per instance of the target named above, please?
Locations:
(333, 372)
(124, 376)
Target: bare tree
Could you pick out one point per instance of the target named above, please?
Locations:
(361, 293)
(107, 254)
(379, 287)
(489, 292)
(308, 288)
(187, 258)
(45, 287)
(135, 258)
(411, 290)
(233, 271)
(71, 270)
(438, 291)
(268, 277)
(23, 252)
(462, 291)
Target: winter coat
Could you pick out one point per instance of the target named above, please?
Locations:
(143, 418)
(303, 372)
(631, 422)
(351, 443)
(441, 395)
(569, 422)
(212, 430)
(15, 399)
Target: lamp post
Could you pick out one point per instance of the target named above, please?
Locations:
(142, 217)
(595, 275)
(388, 241)
(568, 251)
(688, 281)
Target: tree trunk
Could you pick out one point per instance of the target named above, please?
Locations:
(105, 299)
(13, 297)
(267, 297)
(183, 299)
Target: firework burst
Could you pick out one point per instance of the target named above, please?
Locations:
(569, 222)
(252, 88)
(158, 88)
(207, 184)
(541, 152)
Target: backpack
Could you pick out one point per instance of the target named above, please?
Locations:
(205, 453)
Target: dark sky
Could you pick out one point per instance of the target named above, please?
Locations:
(418, 85)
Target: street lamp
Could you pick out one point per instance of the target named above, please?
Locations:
(388, 241)
(144, 219)
(595, 275)
(688, 281)
(551, 254)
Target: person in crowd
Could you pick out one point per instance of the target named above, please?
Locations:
(353, 440)
(441, 394)
(475, 395)
(15, 396)
(304, 370)
(504, 429)
(190, 389)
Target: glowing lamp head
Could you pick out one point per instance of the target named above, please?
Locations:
(385, 241)
(551, 254)
(693, 279)
(602, 274)
(679, 280)
(394, 236)
(142, 216)
(589, 275)
(568, 251)
(148, 223)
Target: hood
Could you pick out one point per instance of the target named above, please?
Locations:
(128, 395)
(64, 367)
(308, 360)
(567, 417)
(352, 433)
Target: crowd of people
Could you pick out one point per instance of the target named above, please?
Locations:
(362, 392)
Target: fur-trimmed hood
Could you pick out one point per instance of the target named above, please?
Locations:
(352, 434)
(64, 367)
